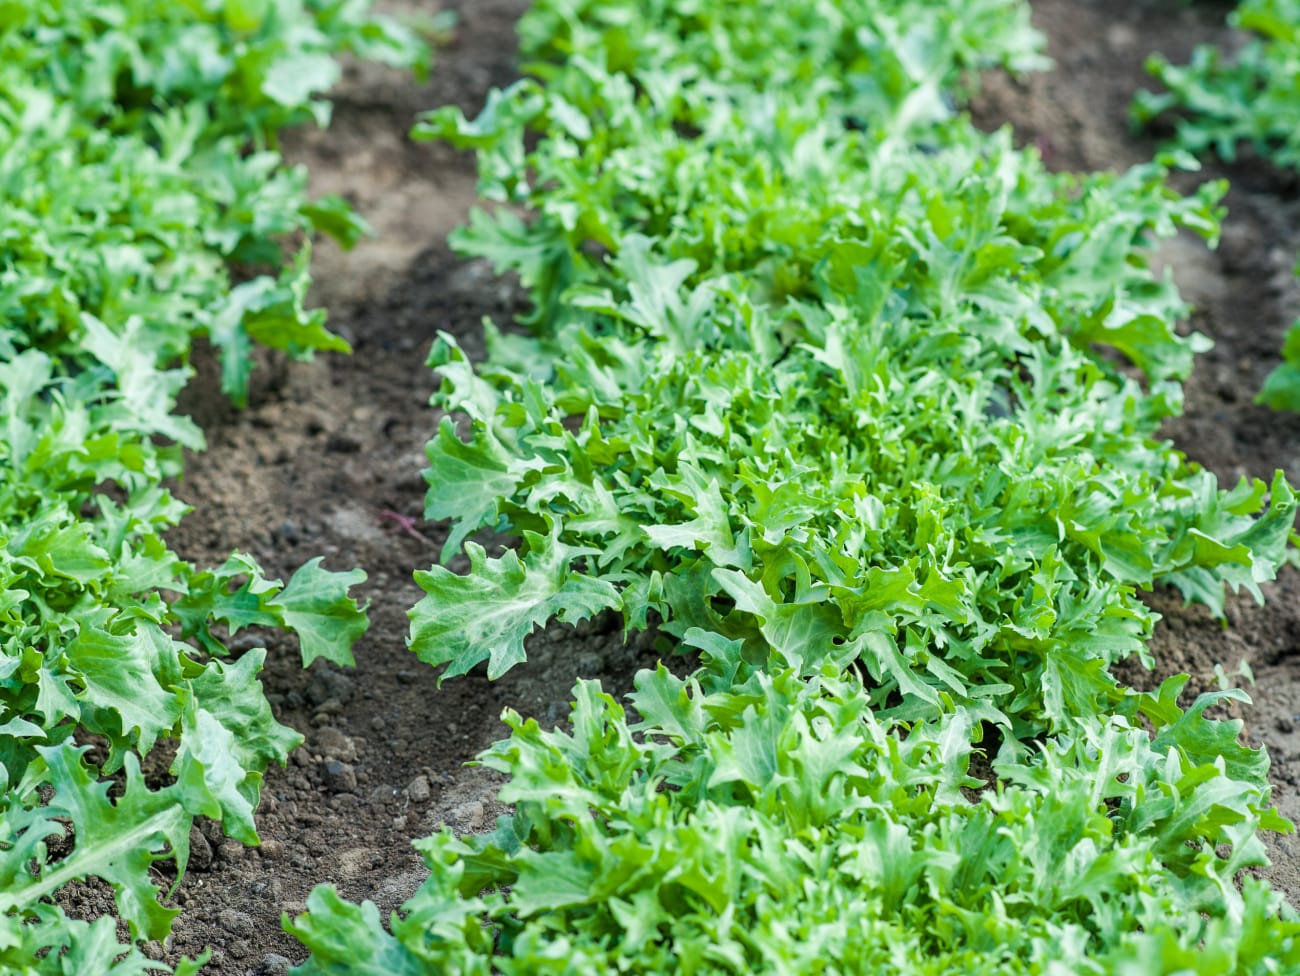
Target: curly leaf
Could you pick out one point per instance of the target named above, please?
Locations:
(486, 614)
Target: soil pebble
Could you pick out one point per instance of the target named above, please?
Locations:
(419, 790)
(274, 964)
(200, 850)
(333, 744)
(339, 777)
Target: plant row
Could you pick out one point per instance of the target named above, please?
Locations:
(856, 407)
(1251, 99)
(143, 206)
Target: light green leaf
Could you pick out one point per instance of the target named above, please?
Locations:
(291, 81)
(485, 615)
(316, 606)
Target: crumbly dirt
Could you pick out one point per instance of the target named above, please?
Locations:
(327, 462)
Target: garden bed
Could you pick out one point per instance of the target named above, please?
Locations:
(327, 460)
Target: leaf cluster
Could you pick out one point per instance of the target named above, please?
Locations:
(859, 407)
(1224, 101)
(1250, 98)
(139, 180)
(140, 169)
(822, 388)
(775, 825)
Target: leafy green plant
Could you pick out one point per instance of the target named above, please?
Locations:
(139, 177)
(1251, 98)
(253, 67)
(860, 407)
(760, 822)
(1282, 387)
(139, 127)
(818, 385)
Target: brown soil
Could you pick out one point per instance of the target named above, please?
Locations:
(331, 451)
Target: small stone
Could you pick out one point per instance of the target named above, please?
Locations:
(200, 851)
(236, 923)
(419, 790)
(470, 817)
(274, 964)
(327, 709)
(326, 685)
(333, 744)
(272, 890)
(339, 777)
(1238, 246)
(413, 482)
(342, 444)
(246, 641)
(1121, 37)
(1284, 725)
(272, 848)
